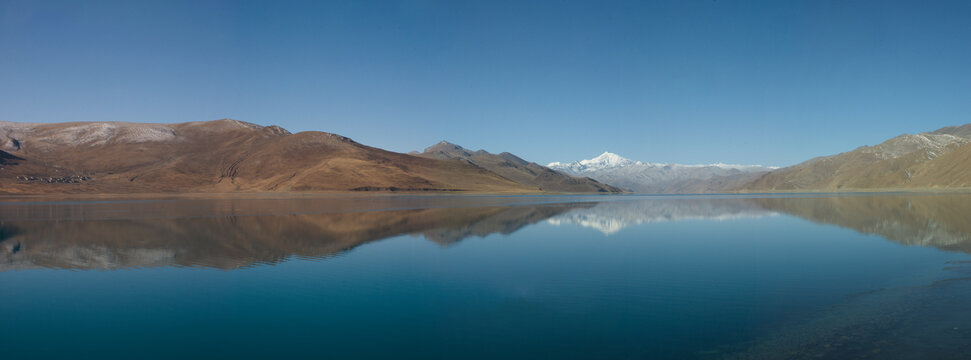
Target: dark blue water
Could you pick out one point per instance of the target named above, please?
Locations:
(488, 277)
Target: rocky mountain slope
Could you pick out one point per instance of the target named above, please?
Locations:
(644, 177)
(216, 156)
(938, 159)
(516, 169)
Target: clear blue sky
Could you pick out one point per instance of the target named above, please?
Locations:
(774, 82)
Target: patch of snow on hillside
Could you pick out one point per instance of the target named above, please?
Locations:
(102, 133)
(908, 143)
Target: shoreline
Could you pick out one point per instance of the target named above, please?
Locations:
(368, 194)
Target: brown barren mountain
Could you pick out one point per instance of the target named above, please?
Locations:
(216, 156)
(516, 169)
(932, 160)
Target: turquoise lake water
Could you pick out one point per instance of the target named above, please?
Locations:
(486, 277)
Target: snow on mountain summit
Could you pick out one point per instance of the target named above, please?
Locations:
(609, 160)
(649, 177)
(605, 161)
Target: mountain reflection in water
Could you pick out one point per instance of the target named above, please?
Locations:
(226, 240)
(612, 217)
(659, 277)
(939, 221)
(237, 233)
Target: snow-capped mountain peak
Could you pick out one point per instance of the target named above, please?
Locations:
(610, 168)
(605, 161)
(608, 160)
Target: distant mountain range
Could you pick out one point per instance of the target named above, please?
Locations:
(232, 156)
(645, 177)
(516, 169)
(937, 159)
(940, 159)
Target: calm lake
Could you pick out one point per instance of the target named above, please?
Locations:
(488, 277)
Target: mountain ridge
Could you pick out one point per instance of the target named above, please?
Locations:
(234, 156)
(217, 156)
(516, 169)
(931, 160)
(647, 177)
